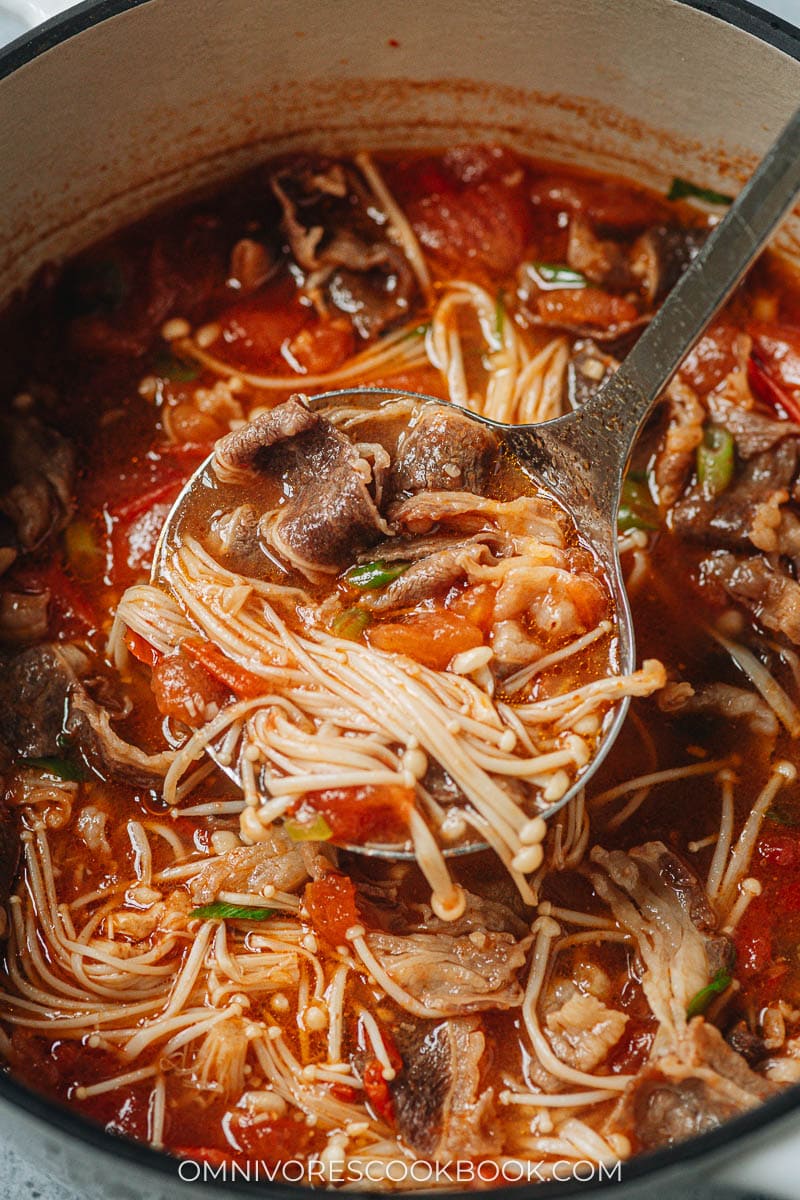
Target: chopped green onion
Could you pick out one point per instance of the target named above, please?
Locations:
(168, 365)
(553, 275)
(636, 510)
(231, 912)
(715, 459)
(369, 576)
(317, 830)
(61, 768)
(680, 189)
(351, 623)
(83, 552)
(701, 1000)
(500, 316)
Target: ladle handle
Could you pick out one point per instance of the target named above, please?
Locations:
(622, 405)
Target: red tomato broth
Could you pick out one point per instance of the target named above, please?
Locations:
(482, 212)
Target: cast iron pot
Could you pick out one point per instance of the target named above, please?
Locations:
(121, 104)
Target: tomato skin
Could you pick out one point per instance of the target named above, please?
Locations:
(377, 1091)
(331, 905)
(70, 612)
(238, 680)
(432, 639)
(274, 1142)
(149, 487)
(605, 202)
(182, 688)
(585, 306)
(254, 329)
(361, 814)
(141, 649)
(321, 348)
(713, 358)
(475, 604)
(764, 388)
(469, 209)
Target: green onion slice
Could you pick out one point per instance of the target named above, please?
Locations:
(700, 1002)
(220, 911)
(682, 189)
(351, 623)
(636, 510)
(499, 317)
(61, 768)
(554, 275)
(317, 830)
(367, 577)
(715, 459)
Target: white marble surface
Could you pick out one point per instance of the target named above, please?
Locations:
(18, 1179)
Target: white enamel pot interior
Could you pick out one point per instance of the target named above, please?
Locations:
(121, 104)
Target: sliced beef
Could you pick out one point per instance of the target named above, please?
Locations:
(429, 576)
(482, 914)
(660, 256)
(697, 1086)
(772, 596)
(464, 512)
(719, 699)
(754, 432)
(603, 260)
(35, 688)
(676, 455)
(656, 897)
(37, 474)
(722, 700)
(454, 974)
(589, 368)
(441, 1108)
(728, 520)
(326, 216)
(44, 700)
(583, 1030)
(445, 451)
(275, 861)
(24, 616)
(236, 533)
(330, 514)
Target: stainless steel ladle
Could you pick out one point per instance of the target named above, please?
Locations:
(581, 457)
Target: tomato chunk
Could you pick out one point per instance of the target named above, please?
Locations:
(432, 639)
(585, 306)
(469, 209)
(182, 689)
(765, 388)
(605, 202)
(141, 649)
(360, 814)
(255, 329)
(241, 682)
(476, 605)
(331, 905)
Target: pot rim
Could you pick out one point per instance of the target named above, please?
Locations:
(783, 36)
